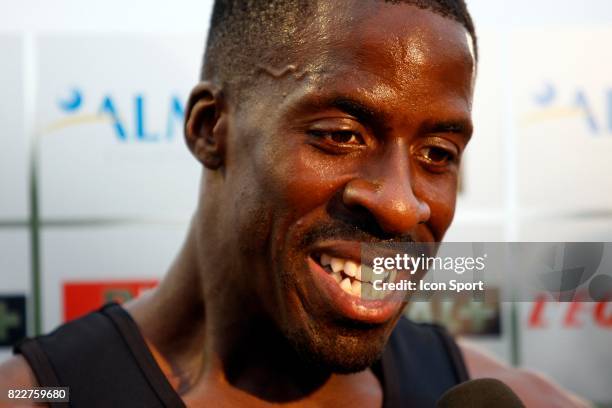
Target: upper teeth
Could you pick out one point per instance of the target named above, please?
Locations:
(351, 269)
(337, 264)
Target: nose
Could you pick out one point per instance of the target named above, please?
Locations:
(385, 190)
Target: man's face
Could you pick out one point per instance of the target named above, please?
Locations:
(358, 140)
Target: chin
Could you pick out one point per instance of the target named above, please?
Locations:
(342, 352)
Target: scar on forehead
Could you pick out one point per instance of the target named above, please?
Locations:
(290, 69)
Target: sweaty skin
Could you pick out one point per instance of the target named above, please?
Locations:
(364, 147)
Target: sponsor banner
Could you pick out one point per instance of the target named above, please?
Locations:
(562, 99)
(483, 161)
(14, 260)
(15, 147)
(13, 319)
(110, 125)
(81, 298)
(570, 341)
(117, 253)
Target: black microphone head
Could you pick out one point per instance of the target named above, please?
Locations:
(483, 392)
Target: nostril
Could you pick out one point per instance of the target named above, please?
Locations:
(359, 192)
(356, 218)
(393, 207)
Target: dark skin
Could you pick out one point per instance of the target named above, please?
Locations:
(364, 146)
(367, 143)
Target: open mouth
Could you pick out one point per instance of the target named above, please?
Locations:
(353, 277)
(345, 282)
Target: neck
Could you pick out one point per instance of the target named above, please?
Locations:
(172, 318)
(251, 355)
(209, 339)
(225, 338)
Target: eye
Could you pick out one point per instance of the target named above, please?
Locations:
(339, 137)
(438, 156)
(345, 137)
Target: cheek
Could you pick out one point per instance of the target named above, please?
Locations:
(300, 180)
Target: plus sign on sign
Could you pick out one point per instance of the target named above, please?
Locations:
(12, 319)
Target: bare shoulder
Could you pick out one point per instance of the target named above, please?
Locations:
(15, 373)
(535, 389)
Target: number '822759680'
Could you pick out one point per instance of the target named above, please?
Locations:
(40, 394)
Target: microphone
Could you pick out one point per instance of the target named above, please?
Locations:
(480, 393)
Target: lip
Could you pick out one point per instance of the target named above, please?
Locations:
(352, 250)
(368, 311)
(341, 249)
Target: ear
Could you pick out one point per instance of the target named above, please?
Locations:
(205, 129)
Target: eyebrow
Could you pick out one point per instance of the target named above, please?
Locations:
(355, 108)
(378, 119)
(459, 126)
(364, 113)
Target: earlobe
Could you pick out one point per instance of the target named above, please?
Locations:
(205, 125)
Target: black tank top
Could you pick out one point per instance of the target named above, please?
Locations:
(105, 361)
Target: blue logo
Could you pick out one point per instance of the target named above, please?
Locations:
(551, 104)
(127, 126)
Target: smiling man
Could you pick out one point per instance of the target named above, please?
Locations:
(319, 125)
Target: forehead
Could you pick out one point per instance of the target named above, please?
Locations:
(403, 32)
(385, 51)
(400, 42)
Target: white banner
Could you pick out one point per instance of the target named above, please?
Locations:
(103, 254)
(14, 151)
(563, 118)
(110, 126)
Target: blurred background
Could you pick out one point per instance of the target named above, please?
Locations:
(97, 188)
